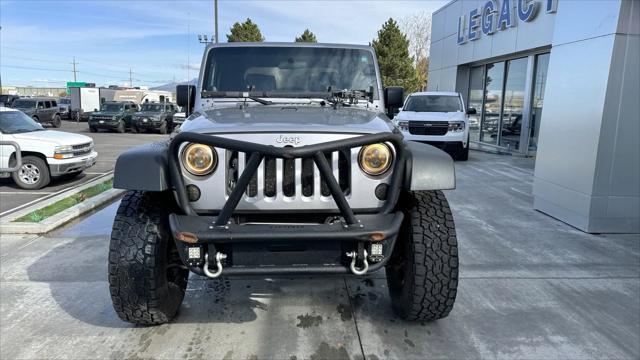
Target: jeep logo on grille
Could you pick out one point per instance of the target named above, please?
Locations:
(295, 140)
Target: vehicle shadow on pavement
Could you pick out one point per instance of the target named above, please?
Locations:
(76, 272)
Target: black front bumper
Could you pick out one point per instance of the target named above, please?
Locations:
(279, 248)
(149, 124)
(107, 124)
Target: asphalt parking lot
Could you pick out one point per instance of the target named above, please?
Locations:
(108, 145)
(530, 287)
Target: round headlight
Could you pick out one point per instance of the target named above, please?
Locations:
(375, 159)
(199, 159)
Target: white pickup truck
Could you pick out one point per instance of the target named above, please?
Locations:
(43, 153)
(438, 119)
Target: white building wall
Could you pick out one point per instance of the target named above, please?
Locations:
(588, 161)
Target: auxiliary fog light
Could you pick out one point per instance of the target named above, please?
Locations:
(194, 254)
(193, 192)
(376, 253)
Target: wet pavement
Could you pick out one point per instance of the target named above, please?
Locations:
(530, 287)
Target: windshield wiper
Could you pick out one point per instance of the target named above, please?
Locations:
(261, 101)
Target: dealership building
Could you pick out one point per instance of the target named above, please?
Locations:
(557, 80)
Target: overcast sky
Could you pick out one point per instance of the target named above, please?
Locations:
(158, 39)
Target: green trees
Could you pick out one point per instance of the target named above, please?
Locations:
(307, 36)
(396, 65)
(245, 32)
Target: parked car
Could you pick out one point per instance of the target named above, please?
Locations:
(179, 117)
(275, 173)
(113, 115)
(7, 100)
(41, 109)
(438, 119)
(45, 153)
(155, 117)
(65, 108)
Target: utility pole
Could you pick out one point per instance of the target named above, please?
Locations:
(74, 69)
(130, 78)
(215, 10)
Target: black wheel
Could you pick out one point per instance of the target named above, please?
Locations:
(33, 174)
(422, 273)
(134, 129)
(92, 129)
(35, 118)
(463, 154)
(121, 127)
(57, 122)
(147, 279)
(164, 128)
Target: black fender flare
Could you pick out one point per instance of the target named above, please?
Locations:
(144, 168)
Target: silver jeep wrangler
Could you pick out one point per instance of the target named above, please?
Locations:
(286, 164)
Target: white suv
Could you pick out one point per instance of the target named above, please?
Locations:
(44, 153)
(438, 119)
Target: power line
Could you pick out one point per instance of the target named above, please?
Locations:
(33, 68)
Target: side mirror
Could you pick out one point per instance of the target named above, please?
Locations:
(471, 111)
(393, 96)
(185, 97)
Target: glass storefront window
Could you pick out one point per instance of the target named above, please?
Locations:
(476, 95)
(492, 103)
(513, 104)
(540, 80)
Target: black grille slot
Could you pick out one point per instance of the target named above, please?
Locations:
(232, 170)
(252, 189)
(324, 188)
(81, 146)
(344, 171)
(307, 177)
(269, 176)
(289, 177)
(428, 128)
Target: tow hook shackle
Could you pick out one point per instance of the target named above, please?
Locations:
(219, 257)
(354, 257)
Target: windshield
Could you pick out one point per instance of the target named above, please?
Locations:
(13, 122)
(65, 101)
(151, 107)
(24, 104)
(112, 107)
(433, 103)
(289, 69)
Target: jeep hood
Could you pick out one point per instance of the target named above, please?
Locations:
(278, 118)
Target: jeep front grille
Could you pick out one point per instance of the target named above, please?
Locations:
(288, 178)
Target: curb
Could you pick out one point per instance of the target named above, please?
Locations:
(7, 226)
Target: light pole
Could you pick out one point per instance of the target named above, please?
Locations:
(215, 15)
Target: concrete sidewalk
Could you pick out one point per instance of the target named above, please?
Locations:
(531, 287)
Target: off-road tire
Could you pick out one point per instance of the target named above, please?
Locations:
(33, 162)
(422, 273)
(164, 127)
(147, 279)
(93, 129)
(121, 127)
(134, 129)
(57, 122)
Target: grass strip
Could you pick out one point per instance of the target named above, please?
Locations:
(72, 200)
